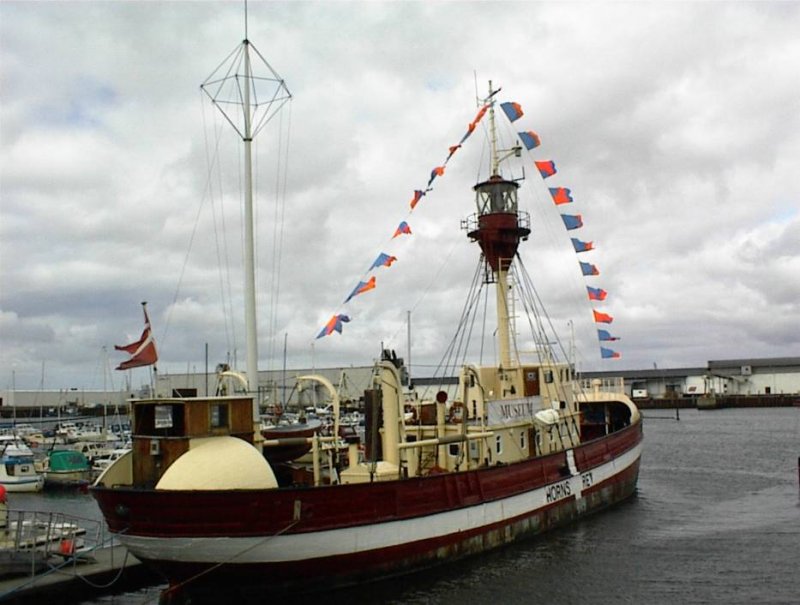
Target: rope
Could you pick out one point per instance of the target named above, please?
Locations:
(175, 587)
(113, 581)
(206, 196)
(279, 222)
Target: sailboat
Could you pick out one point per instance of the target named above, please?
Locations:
(520, 447)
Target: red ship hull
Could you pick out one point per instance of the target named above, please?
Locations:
(336, 535)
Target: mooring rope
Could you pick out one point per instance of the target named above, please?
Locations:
(67, 561)
(175, 587)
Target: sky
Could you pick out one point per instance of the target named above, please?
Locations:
(676, 126)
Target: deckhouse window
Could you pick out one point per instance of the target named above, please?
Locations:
(163, 416)
(219, 416)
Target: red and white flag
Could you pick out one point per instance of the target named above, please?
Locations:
(143, 351)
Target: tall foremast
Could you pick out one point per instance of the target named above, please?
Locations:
(251, 328)
(260, 96)
(498, 227)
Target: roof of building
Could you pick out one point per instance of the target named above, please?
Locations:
(654, 373)
(768, 362)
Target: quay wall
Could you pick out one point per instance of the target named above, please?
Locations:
(722, 401)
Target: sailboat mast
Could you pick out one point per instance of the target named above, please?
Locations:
(251, 328)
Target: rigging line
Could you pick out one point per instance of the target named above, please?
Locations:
(483, 153)
(222, 251)
(427, 289)
(221, 81)
(444, 364)
(539, 312)
(508, 298)
(477, 288)
(273, 262)
(545, 341)
(531, 311)
(220, 233)
(255, 183)
(113, 581)
(204, 198)
(227, 301)
(452, 352)
(552, 227)
(485, 319)
(283, 197)
(278, 230)
(450, 359)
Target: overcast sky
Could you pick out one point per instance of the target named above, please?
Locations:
(675, 125)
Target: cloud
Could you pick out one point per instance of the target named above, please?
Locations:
(675, 127)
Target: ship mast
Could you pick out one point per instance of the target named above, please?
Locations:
(245, 80)
(498, 227)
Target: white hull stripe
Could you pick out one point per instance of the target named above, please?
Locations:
(359, 539)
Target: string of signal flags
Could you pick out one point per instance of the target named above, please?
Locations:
(561, 196)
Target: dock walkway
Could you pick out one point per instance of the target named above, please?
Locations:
(109, 569)
(106, 570)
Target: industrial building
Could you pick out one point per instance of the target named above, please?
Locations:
(746, 377)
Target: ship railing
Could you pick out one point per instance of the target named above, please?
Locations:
(52, 540)
(472, 222)
(614, 384)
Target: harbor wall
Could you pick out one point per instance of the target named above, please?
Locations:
(719, 401)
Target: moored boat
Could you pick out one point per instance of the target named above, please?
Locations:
(66, 468)
(295, 439)
(515, 449)
(17, 466)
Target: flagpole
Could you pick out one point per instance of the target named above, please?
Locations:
(153, 369)
(143, 351)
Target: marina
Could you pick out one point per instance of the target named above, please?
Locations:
(690, 535)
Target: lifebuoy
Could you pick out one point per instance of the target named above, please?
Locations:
(456, 412)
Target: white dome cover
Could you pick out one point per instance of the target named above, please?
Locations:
(547, 416)
(219, 463)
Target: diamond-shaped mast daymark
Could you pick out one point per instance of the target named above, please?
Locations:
(248, 93)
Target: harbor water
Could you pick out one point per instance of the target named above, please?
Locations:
(716, 520)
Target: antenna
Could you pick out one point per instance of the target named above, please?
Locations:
(245, 19)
